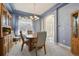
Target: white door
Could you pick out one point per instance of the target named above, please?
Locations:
(49, 27)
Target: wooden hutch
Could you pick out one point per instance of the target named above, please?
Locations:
(5, 30)
(75, 33)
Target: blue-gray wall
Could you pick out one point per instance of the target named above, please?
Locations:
(15, 23)
(8, 6)
(64, 17)
(64, 23)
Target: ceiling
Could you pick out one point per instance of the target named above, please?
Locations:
(35, 8)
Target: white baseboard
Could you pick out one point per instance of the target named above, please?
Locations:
(64, 46)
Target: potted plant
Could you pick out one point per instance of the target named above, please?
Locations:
(6, 30)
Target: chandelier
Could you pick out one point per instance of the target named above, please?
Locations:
(34, 16)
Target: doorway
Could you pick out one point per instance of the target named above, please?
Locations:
(49, 28)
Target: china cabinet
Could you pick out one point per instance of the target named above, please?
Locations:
(5, 30)
(75, 33)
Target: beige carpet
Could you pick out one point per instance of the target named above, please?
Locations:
(52, 50)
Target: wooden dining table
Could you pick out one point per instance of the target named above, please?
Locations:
(32, 39)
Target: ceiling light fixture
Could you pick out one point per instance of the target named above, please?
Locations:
(34, 17)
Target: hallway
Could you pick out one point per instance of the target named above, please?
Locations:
(52, 50)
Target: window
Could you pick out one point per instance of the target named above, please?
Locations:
(24, 25)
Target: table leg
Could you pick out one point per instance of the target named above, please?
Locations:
(31, 45)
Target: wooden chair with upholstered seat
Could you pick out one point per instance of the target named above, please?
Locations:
(29, 32)
(24, 40)
(41, 38)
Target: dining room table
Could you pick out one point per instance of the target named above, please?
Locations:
(32, 39)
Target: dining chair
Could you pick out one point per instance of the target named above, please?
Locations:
(29, 32)
(41, 38)
(24, 40)
(15, 38)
